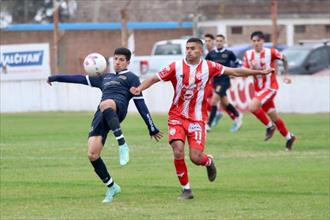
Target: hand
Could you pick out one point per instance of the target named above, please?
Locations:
(157, 136)
(286, 79)
(135, 90)
(267, 71)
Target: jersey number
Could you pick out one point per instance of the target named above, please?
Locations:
(198, 135)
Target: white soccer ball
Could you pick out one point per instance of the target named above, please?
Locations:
(95, 64)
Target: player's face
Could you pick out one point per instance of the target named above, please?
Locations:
(208, 43)
(194, 52)
(220, 42)
(120, 63)
(257, 43)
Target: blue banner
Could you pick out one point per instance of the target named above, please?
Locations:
(20, 59)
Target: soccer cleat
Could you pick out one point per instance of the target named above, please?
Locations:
(111, 192)
(289, 143)
(216, 119)
(211, 170)
(123, 154)
(270, 132)
(186, 194)
(237, 124)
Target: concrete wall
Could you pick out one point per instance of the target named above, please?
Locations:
(307, 94)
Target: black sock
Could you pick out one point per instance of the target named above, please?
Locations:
(101, 170)
(232, 109)
(113, 122)
(214, 110)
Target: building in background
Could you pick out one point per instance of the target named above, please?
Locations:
(154, 20)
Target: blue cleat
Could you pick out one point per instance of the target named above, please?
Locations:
(237, 124)
(123, 154)
(111, 192)
(216, 119)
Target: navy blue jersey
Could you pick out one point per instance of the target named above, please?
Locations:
(224, 57)
(115, 86)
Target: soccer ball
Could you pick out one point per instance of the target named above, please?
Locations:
(95, 64)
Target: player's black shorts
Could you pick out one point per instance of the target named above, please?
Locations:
(221, 85)
(99, 126)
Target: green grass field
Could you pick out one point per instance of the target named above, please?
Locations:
(45, 173)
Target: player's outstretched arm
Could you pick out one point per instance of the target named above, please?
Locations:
(245, 72)
(145, 114)
(144, 85)
(68, 78)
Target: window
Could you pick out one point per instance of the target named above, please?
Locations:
(168, 49)
(298, 29)
(317, 60)
(327, 28)
(236, 29)
(267, 37)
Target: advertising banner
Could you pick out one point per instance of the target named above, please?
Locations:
(24, 61)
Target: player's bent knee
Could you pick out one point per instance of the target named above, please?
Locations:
(178, 153)
(93, 155)
(107, 104)
(253, 107)
(214, 102)
(178, 149)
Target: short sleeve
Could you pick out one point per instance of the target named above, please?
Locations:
(167, 73)
(216, 69)
(276, 55)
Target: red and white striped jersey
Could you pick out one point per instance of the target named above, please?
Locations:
(263, 60)
(190, 83)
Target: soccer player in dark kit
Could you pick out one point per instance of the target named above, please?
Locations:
(110, 112)
(222, 83)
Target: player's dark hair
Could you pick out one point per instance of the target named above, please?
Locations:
(221, 35)
(258, 34)
(123, 51)
(209, 36)
(195, 40)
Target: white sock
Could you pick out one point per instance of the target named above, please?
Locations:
(270, 124)
(109, 181)
(288, 136)
(186, 187)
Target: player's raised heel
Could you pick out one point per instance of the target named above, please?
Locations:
(270, 132)
(123, 154)
(211, 170)
(186, 194)
(111, 192)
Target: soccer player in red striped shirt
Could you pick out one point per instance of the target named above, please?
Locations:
(266, 87)
(190, 79)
